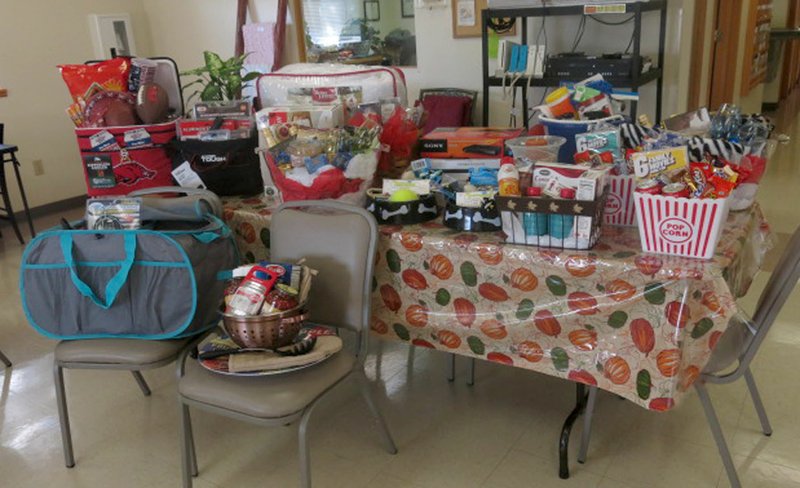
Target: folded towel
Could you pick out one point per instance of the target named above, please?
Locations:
(326, 345)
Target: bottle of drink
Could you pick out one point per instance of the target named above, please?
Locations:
(560, 226)
(249, 297)
(508, 178)
(535, 223)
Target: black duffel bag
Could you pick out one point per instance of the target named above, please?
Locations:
(226, 167)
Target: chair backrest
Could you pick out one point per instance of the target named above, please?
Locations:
(339, 241)
(453, 92)
(776, 292)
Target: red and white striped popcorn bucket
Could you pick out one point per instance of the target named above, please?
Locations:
(680, 226)
(619, 208)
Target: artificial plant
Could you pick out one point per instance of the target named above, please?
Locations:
(219, 79)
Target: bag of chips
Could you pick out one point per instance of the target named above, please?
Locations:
(85, 80)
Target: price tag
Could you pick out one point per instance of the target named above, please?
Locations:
(613, 8)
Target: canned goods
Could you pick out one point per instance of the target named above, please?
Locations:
(678, 189)
(650, 187)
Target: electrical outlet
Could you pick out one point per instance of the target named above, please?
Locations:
(38, 167)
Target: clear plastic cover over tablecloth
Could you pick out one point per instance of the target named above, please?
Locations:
(639, 325)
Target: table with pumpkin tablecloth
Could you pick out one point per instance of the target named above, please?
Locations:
(639, 325)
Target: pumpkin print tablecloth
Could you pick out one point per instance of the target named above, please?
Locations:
(641, 326)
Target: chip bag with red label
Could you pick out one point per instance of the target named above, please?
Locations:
(84, 80)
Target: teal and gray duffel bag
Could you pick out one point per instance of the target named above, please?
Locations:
(159, 282)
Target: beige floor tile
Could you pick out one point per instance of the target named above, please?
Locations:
(755, 473)
(520, 469)
(660, 461)
(387, 481)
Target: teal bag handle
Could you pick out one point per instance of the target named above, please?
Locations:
(115, 284)
(210, 235)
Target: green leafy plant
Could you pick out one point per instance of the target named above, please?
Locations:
(219, 79)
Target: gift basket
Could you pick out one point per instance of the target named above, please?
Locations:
(124, 111)
(264, 327)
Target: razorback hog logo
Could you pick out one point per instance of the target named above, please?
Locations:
(132, 172)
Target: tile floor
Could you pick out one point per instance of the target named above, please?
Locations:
(501, 433)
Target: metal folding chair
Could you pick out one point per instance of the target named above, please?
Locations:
(739, 343)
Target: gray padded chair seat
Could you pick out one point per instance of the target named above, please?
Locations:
(268, 396)
(118, 351)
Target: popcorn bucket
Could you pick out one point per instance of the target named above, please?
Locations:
(680, 226)
(619, 209)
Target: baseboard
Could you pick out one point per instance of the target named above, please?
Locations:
(769, 106)
(50, 208)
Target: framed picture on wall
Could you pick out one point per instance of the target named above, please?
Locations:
(372, 10)
(407, 8)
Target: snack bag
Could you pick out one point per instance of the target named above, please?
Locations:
(85, 80)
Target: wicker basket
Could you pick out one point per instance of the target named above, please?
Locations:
(262, 331)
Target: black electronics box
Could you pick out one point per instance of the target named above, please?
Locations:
(577, 66)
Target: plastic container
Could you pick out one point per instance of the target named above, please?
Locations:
(689, 227)
(619, 209)
(537, 148)
(568, 129)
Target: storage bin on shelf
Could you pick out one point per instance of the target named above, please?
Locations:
(619, 209)
(680, 226)
(552, 222)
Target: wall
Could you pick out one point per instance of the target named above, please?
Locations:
(34, 38)
(444, 61)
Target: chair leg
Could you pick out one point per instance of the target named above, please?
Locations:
(366, 392)
(5, 360)
(304, 454)
(137, 375)
(716, 431)
(471, 372)
(762, 413)
(188, 455)
(63, 416)
(451, 368)
(587, 424)
(24, 198)
(7, 205)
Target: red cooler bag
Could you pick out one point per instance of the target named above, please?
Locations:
(137, 157)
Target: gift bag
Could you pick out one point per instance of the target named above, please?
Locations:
(226, 167)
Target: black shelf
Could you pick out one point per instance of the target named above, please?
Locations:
(623, 82)
(636, 81)
(631, 7)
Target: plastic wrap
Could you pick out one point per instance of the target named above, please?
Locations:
(307, 83)
(638, 325)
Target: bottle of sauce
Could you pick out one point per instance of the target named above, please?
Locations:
(508, 178)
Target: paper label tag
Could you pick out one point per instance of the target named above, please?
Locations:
(137, 138)
(420, 187)
(103, 141)
(324, 95)
(186, 176)
(473, 199)
(651, 164)
(99, 171)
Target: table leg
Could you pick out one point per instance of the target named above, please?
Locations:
(563, 444)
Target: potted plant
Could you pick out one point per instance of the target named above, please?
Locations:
(219, 79)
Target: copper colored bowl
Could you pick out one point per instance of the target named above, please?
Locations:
(266, 332)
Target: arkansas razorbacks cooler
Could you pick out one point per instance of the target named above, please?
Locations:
(119, 160)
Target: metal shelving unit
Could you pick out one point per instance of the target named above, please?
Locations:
(638, 79)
